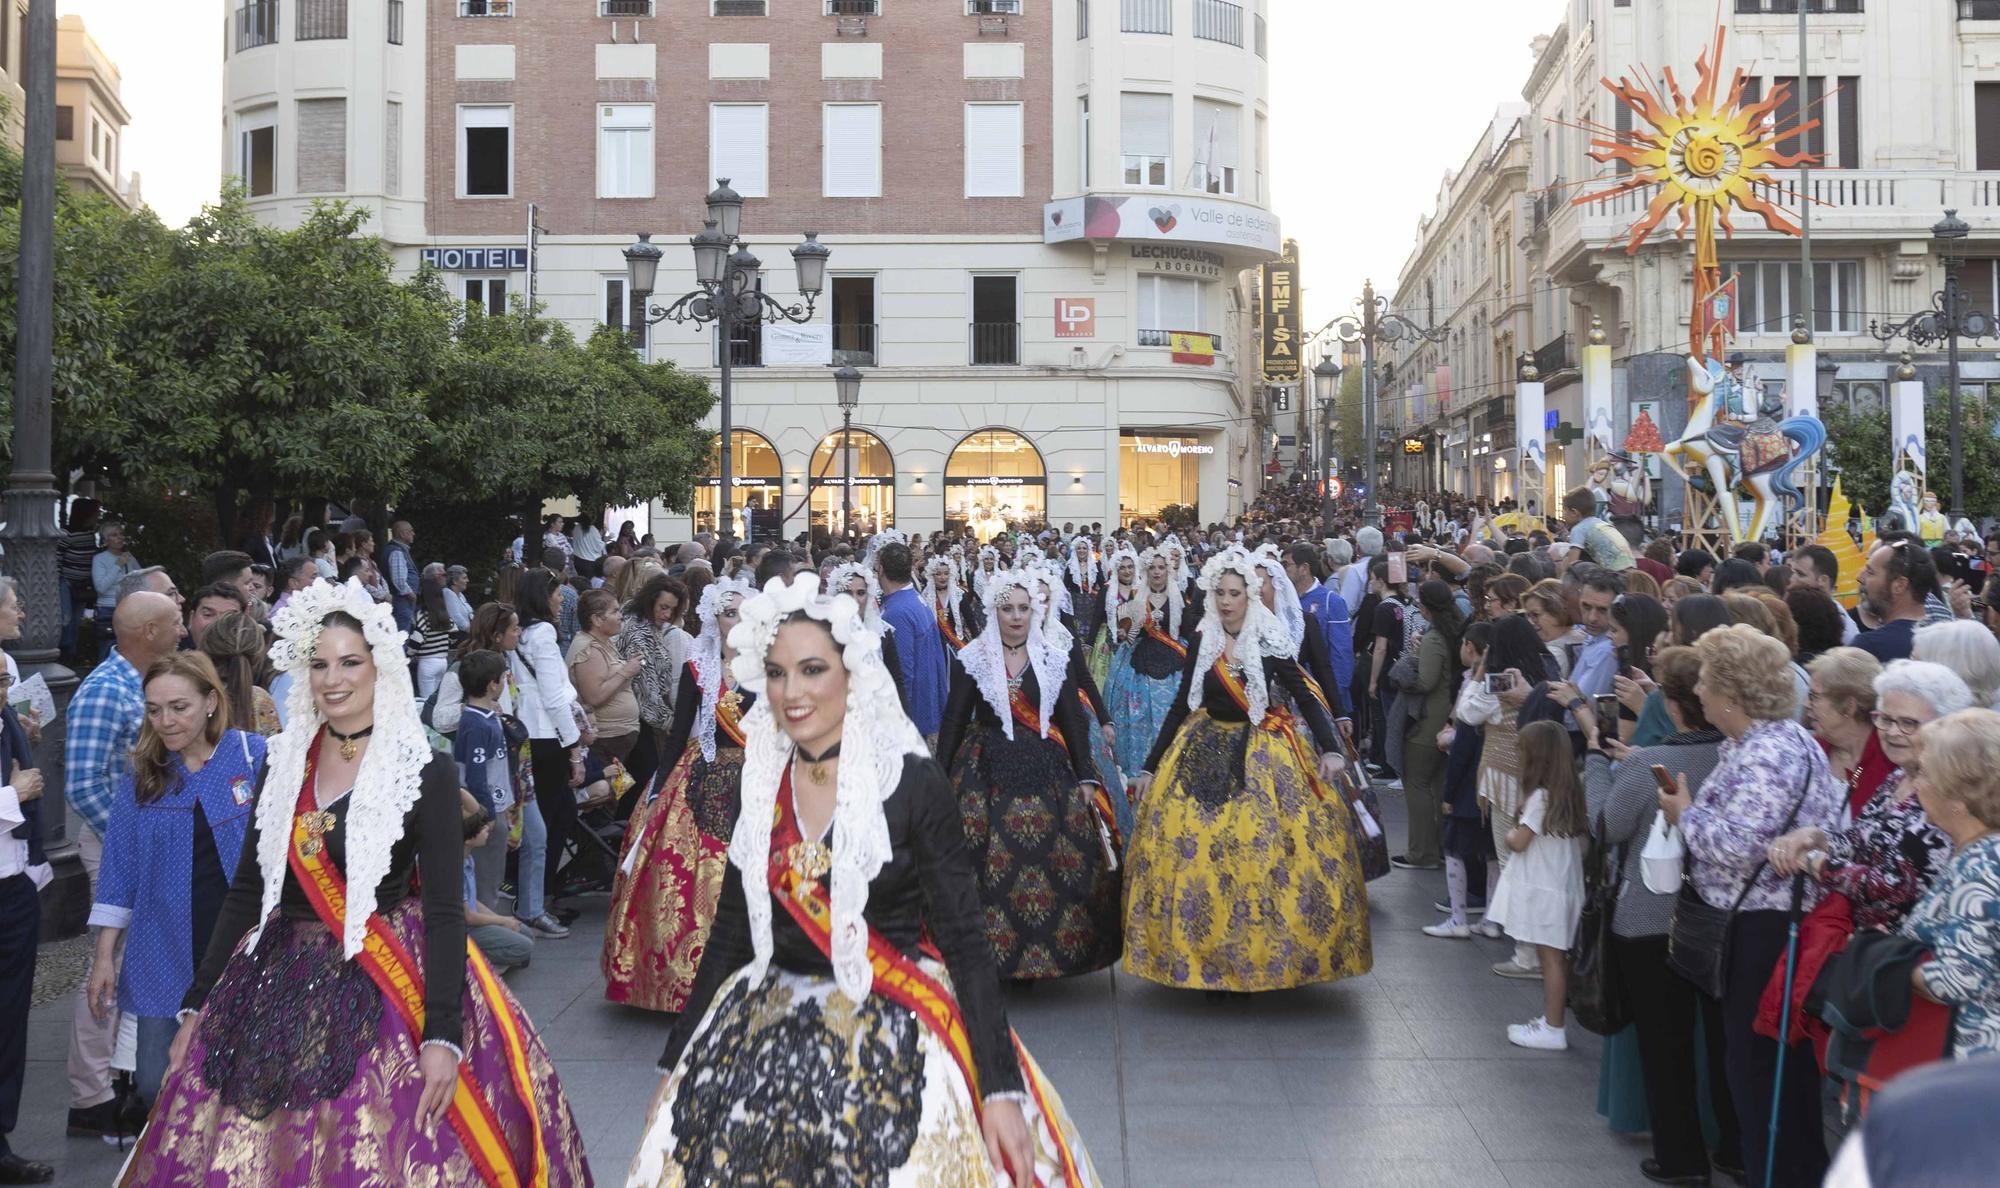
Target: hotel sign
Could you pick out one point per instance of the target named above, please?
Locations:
(476, 259)
(1282, 332)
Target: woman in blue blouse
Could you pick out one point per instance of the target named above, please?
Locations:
(1959, 787)
(176, 836)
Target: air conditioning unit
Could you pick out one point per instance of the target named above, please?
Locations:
(993, 7)
(851, 26)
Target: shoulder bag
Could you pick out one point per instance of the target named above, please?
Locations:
(1595, 997)
(1698, 934)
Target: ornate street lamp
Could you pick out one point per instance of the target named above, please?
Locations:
(1326, 387)
(1371, 323)
(730, 294)
(847, 390)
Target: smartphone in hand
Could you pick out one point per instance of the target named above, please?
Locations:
(1606, 705)
(1665, 779)
(1499, 682)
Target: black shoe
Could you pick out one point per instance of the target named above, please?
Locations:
(506, 890)
(1650, 1168)
(566, 915)
(1402, 862)
(98, 1121)
(1728, 1165)
(16, 1170)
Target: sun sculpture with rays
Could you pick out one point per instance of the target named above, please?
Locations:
(1709, 154)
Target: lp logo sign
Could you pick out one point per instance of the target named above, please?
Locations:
(1076, 317)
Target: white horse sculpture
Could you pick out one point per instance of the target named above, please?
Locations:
(1717, 452)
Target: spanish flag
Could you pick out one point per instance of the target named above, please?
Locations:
(1192, 346)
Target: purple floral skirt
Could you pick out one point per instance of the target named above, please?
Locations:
(302, 1073)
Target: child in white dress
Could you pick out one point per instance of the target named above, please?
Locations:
(1540, 894)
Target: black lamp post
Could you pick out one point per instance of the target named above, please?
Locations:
(729, 294)
(1371, 323)
(1947, 321)
(847, 389)
(1326, 387)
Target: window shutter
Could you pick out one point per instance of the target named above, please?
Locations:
(392, 150)
(852, 133)
(1986, 107)
(737, 137)
(1146, 125)
(322, 146)
(625, 150)
(1849, 102)
(993, 150)
(1621, 116)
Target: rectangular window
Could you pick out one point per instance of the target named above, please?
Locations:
(322, 165)
(1146, 137)
(1218, 20)
(392, 149)
(993, 150)
(1769, 294)
(746, 341)
(739, 8)
(852, 137)
(488, 294)
(322, 20)
(256, 24)
(1986, 119)
(395, 30)
(65, 120)
(1263, 151)
(738, 140)
(616, 311)
(854, 322)
(486, 8)
(1083, 142)
(990, 7)
(1622, 117)
(625, 150)
(1082, 19)
(1218, 129)
(1146, 16)
(853, 7)
(486, 151)
(625, 8)
(1167, 304)
(996, 321)
(1847, 122)
(257, 151)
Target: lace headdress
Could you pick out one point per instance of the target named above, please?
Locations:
(1175, 593)
(391, 773)
(706, 656)
(952, 595)
(875, 737)
(1116, 593)
(979, 570)
(882, 540)
(985, 661)
(843, 575)
(1177, 553)
(1080, 566)
(1262, 635)
(1052, 599)
(1286, 597)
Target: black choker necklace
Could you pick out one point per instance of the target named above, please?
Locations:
(816, 764)
(347, 741)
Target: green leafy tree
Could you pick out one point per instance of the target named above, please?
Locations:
(1347, 406)
(1859, 443)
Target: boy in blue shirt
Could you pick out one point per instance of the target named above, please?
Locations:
(480, 748)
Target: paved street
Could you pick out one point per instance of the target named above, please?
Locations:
(1403, 1077)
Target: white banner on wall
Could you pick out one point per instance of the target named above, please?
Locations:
(795, 346)
(1906, 424)
(1528, 427)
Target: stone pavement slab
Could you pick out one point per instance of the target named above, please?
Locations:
(1400, 1077)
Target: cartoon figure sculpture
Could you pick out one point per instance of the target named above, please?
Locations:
(1630, 491)
(1847, 585)
(1707, 154)
(1599, 484)
(1931, 523)
(1903, 500)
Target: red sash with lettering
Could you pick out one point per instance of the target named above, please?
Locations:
(391, 966)
(1277, 721)
(897, 978)
(1029, 718)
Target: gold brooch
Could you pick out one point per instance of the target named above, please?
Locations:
(810, 860)
(317, 824)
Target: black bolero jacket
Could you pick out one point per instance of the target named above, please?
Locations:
(965, 704)
(432, 846)
(929, 883)
(1278, 670)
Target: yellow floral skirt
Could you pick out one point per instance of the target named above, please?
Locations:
(1244, 883)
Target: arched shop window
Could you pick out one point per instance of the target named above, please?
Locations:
(868, 468)
(757, 474)
(995, 481)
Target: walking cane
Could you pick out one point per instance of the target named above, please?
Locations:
(1784, 1026)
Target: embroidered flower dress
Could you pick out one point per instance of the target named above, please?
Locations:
(1960, 920)
(1144, 676)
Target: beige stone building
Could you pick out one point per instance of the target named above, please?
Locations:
(90, 114)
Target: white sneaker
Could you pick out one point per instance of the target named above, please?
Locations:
(1490, 929)
(1537, 1034)
(1507, 969)
(1446, 928)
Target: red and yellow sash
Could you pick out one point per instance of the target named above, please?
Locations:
(1153, 629)
(1030, 719)
(1277, 721)
(944, 625)
(729, 716)
(897, 978)
(395, 971)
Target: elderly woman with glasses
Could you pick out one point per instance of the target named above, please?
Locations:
(1959, 920)
(1840, 711)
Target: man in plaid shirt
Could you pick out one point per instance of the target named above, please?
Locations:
(104, 720)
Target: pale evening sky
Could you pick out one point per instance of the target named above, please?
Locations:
(1370, 104)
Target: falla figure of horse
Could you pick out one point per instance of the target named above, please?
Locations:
(1759, 458)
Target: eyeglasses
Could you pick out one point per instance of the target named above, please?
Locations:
(1893, 725)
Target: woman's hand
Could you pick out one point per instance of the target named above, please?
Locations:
(1617, 749)
(1330, 766)
(1110, 735)
(1141, 785)
(1563, 693)
(1676, 802)
(1788, 853)
(1516, 692)
(102, 990)
(1007, 1145)
(1445, 737)
(1631, 694)
(183, 1040)
(439, 1068)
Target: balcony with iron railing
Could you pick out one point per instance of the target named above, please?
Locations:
(995, 344)
(322, 20)
(992, 7)
(1219, 20)
(1165, 338)
(1146, 16)
(256, 24)
(853, 7)
(486, 8)
(740, 8)
(1556, 356)
(625, 8)
(1791, 7)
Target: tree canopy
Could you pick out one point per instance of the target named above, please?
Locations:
(1858, 443)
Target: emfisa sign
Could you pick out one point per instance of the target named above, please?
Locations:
(476, 259)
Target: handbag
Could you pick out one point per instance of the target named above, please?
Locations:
(1595, 997)
(1403, 673)
(1698, 933)
(1662, 860)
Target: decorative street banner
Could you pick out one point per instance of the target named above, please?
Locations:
(786, 344)
(1180, 219)
(1281, 318)
(1906, 427)
(1529, 428)
(1719, 310)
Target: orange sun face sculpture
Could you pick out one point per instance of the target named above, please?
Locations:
(1706, 154)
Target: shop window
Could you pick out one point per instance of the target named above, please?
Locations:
(756, 474)
(870, 472)
(995, 481)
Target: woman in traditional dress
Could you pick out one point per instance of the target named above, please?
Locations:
(1096, 714)
(1146, 671)
(353, 1018)
(1242, 873)
(865, 1057)
(989, 565)
(1084, 583)
(1015, 740)
(664, 898)
(1121, 585)
(945, 601)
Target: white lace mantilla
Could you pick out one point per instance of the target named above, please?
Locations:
(706, 656)
(951, 612)
(985, 660)
(1288, 609)
(875, 738)
(1262, 635)
(391, 773)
